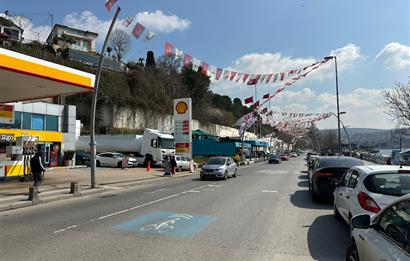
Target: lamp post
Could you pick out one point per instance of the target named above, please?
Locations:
(93, 144)
(344, 128)
(337, 100)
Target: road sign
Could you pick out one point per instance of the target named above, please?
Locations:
(183, 126)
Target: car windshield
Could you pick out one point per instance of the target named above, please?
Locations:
(216, 161)
(343, 162)
(166, 143)
(388, 184)
(119, 155)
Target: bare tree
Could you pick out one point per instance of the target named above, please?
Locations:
(120, 42)
(397, 103)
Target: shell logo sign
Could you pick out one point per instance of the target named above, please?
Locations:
(181, 107)
(183, 126)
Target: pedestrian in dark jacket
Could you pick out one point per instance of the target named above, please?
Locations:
(37, 168)
(173, 165)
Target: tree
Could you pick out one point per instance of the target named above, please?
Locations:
(150, 61)
(120, 41)
(397, 102)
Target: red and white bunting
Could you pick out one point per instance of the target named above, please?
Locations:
(137, 31)
(109, 4)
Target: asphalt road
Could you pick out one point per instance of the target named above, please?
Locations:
(266, 213)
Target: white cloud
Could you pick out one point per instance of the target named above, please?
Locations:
(395, 56)
(162, 23)
(88, 21)
(31, 32)
(276, 62)
(157, 22)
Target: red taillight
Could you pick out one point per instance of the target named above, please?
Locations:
(367, 203)
(324, 174)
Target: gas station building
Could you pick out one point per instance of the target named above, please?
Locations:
(23, 79)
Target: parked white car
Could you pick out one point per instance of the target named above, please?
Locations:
(183, 163)
(386, 236)
(113, 159)
(369, 189)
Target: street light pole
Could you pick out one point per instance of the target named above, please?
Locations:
(344, 128)
(337, 101)
(94, 101)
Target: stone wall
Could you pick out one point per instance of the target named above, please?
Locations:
(126, 118)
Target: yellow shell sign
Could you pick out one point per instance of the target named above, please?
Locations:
(181, 107)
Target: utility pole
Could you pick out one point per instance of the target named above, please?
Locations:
(93, 148)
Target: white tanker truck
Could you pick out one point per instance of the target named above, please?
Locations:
(152, 146)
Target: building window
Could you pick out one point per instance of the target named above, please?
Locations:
(17, 120)
(26, 120)
(51, 123)
(37, 122)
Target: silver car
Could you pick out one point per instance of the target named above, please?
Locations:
(386, 236)
(219, 167)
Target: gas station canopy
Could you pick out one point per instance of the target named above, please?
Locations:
(23, 77)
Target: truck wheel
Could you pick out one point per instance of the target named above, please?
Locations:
(146, 159)
(179, 169)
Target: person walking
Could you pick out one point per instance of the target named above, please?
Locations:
(167, 166)
(173, 165)
(37, 168)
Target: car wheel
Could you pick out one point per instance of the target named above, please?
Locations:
(351, 253)
(179, 169)
(336, 213)
(202, 177)
(234, 174)
(119, 164)
(98, 163)
(315, 197)
(226, 175)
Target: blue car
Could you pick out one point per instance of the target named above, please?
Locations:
(274, 159)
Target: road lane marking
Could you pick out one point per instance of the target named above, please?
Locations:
(270, 191)
(128, 209)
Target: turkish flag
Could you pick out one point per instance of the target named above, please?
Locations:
(282, 76)
(109, 4)
(137, 31)
(187, 60)
(266, 96)
(168, 49)
(256, 104)
(218, 73)
(249, 100)
(245, 76)
(264, 110)
(232, 75)
(204, 68)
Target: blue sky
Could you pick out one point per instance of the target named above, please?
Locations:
(372, 38)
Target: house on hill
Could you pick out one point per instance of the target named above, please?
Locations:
(9, 32)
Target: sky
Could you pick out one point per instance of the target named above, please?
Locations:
(370, 38)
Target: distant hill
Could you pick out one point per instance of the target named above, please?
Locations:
(376, 138)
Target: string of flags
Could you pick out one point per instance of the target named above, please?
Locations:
(291, 81)
(138, 28)
(239, 77)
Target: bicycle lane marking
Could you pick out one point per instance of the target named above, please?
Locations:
(166, 224)
(125, 210)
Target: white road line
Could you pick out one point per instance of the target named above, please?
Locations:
(270, 191)
(191, 191)
(129, 209)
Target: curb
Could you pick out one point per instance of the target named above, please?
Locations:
(88, 192)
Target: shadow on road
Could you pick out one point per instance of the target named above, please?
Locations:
(328, 239)
(303, 184)
(303, 199)
(303, 171)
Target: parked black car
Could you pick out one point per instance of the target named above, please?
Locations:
(327, 170)
(274, 159)
(82, 158)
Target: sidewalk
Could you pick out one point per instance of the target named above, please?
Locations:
(56, 184)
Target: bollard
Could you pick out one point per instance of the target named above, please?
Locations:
(149, 166)
(74, 189)
(33, 195)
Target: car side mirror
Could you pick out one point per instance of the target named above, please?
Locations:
(361, 221)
